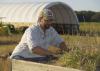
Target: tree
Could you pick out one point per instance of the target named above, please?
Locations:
(85, 15)
(96, 17)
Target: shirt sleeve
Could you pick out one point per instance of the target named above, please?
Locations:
(32, 40)
(56, 38)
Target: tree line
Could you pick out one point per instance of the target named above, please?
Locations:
(88, 16)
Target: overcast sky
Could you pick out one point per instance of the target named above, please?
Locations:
(93, 5)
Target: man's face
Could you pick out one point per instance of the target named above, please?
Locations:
(46, 23)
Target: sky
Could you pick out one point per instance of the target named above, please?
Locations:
(78, 5)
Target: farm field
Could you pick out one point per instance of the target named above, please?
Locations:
(85, 49)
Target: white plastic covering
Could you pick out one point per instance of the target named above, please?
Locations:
(29, 12)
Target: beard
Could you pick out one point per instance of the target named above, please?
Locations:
(47, 26)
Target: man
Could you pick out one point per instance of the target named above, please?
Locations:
(36, 40)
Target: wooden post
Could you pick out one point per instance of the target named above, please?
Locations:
(5, 63)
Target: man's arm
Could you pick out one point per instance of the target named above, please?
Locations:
(40, 51)
(64, 47)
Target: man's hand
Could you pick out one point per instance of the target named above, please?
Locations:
(64, 47)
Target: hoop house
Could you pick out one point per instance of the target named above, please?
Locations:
(65, 18)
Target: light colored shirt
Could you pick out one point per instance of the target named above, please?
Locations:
(34, 36)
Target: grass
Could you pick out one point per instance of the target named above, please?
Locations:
(84, 53)
(9, 42)
(90, 26)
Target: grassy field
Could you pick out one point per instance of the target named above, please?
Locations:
(84, 54)
(90, 26)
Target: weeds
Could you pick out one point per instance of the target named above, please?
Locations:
(84, 53)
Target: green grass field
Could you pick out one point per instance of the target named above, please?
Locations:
(90, 26)
(84, 54)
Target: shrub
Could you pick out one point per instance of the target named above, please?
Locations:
(0, 24)
(4, 31)
(21, 29)
(11, 28)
